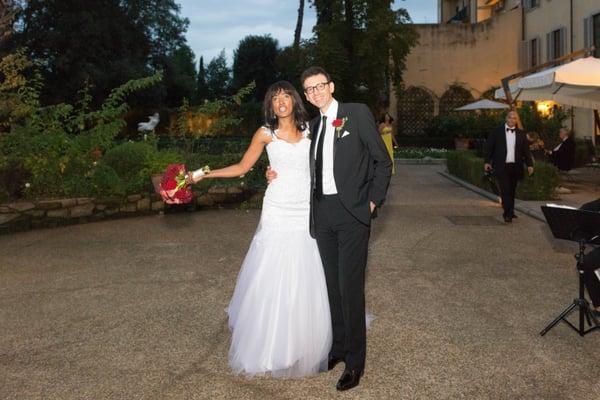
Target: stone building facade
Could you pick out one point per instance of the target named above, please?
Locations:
(476, 43)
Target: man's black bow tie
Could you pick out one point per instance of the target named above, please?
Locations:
(510, 130)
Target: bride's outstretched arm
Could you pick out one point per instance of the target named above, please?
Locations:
(258, 143)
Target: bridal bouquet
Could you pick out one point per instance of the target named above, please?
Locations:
(174, 188)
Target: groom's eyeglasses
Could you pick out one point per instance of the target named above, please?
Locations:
(318, 87)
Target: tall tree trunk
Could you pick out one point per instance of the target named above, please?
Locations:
(298, 31)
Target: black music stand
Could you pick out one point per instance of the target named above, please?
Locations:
(583, 227)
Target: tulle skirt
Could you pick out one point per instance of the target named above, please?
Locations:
(279, 313)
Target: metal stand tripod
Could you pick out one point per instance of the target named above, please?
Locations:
(585, 310)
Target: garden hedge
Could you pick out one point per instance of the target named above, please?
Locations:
(540, 186)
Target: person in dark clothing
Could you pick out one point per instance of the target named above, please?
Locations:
(563, 155)
(506, 151)
(591, 262)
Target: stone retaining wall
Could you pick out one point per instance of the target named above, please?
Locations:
(25, 215)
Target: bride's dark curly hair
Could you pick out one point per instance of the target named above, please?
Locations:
(299, 113)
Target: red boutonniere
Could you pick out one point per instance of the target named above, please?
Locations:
(338, 124)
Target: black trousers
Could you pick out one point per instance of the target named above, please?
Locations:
(591, 262)
(507, 180)
(343, 244)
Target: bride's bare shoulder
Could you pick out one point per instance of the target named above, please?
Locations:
(263, 134)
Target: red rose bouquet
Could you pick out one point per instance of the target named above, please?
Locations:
(173, 186)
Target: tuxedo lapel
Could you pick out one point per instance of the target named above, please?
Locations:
(314, 126)
(340, 114)
(502, 133)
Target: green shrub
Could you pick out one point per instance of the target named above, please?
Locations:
(131, 162)
(58, 145)
(540, 186)
(106, 182)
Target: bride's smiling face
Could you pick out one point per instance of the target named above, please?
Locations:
(283, 104)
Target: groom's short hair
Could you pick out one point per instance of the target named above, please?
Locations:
(312, 71)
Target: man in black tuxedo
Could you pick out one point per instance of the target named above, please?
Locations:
(505, 152)
(591, 262)
(350, 174)
(563, 155)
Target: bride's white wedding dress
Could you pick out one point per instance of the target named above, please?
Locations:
(279, 313)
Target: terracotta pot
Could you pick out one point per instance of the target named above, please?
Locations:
(461, 143)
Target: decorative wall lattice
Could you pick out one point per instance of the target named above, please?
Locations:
(415, 110)
(454, 97)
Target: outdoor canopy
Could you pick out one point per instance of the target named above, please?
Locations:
(574, 84)
(483, 104)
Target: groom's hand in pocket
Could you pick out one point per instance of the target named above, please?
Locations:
(270, 174)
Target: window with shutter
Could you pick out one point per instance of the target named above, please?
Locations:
(556, 44)
(587, 32)
(533, 51)
(563, 41)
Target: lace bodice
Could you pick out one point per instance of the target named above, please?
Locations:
(291, 162)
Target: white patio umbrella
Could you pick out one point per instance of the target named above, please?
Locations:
(483, 104)
(575, 84)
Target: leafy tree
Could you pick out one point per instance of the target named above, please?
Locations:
(363, 45)
(180, 76)
(8, 14)
(254, 60)
(161, 23)
(218, 77)
(202, 88)
(77, 43)
(101, 43)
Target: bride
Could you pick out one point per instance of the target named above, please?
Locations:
(279, 313)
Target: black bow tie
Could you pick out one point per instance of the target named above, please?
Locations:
(510, 130)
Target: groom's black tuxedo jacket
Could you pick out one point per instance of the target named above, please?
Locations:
(361, 164)
(495, 151)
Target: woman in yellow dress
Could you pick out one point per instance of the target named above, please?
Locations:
(386, 129)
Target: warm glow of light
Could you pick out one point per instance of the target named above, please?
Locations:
(545, 107)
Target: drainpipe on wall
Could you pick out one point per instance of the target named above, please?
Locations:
(522, 22)
(572, 108)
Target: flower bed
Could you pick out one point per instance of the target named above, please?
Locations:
(419, 152)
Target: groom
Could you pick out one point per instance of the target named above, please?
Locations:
(350, 172)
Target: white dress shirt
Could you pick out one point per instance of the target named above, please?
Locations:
(511, 141)
(328, 178)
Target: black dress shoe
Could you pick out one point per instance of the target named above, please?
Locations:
(333, 361)
(508, 220)
(349, 379)
(514, 216)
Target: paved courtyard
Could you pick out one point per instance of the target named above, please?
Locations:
(134, 308)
